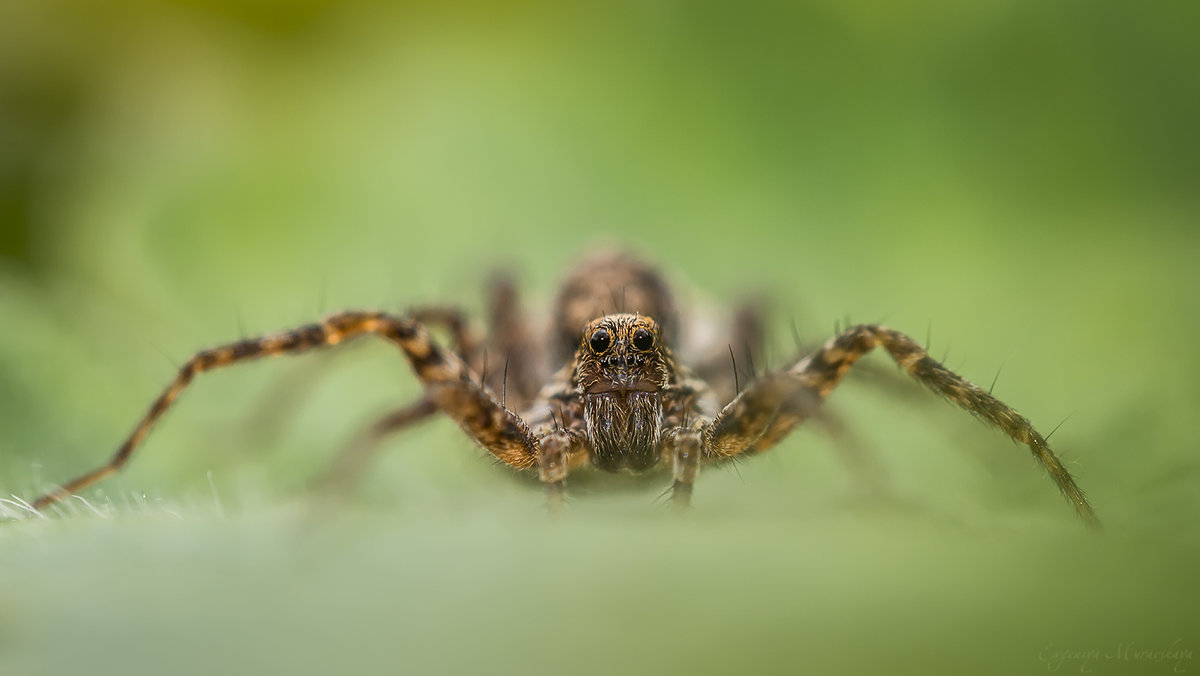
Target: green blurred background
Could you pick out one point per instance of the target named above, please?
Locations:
(1019, 175)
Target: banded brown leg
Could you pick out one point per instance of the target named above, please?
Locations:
(351, 463)
(448, 382)
(769, 409)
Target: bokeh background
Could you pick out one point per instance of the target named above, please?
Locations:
(1016, 177)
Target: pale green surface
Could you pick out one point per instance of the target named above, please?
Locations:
(1019, 175)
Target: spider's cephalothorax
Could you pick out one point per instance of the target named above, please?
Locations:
(620, 400)
(621, 372)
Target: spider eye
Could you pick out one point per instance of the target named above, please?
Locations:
(600, 341)
(643, 340)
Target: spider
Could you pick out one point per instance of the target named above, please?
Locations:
(619, 400)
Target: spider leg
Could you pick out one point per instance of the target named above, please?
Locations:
(280, 403)
(448, 382)
(769, 409)
(557, 422)
(555, 458)
(684, 446)
(520, 370)
(747, 339)
(465, 342)
(859, 459)
(353, 459)
(349, 466)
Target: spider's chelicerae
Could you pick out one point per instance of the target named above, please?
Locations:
(619, 400)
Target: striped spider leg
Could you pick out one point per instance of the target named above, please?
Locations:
(769, 408)
(516, 377)
(450, 385)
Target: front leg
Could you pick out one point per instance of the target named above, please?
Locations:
(558, 451)
(449, 384)
(557, 421)
(766, 411)
(684, 447)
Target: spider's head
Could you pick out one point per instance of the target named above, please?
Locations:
(621, 369)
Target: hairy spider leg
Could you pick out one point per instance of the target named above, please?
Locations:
(448, 382)
(748, 337)
(353, 460)
(685, 447)
(521, 367)
(561, 449)
(351, 463)
(516, 372)
(767, 410)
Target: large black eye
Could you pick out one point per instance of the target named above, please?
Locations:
(600, 341)
(643, 340)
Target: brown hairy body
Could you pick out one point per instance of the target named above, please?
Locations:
(618, 399)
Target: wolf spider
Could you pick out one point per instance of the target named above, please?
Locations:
(619, 401)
